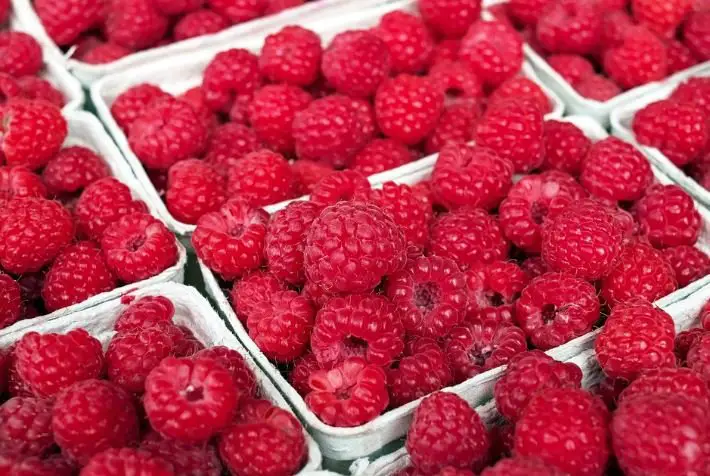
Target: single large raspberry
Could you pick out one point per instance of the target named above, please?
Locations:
(190, 399)
(350, 394)
(636, 337)
(10, 304)
(252, 290)
(493, 290)
(337, 263)
(183, 458)
(473, 176)
(239, 11)
(78, 273)
(198, 23)
(232, 73)
(33, 132)
(380, 155)
(18, 182)
(26, 426)
(116, 462)
(135, 24)
(236, 364)
(566, 147)
(73, 169)
(21, 54)
(271, 114)
(450, 19)
(493, 50)
(689, 264)
(228, 144)
(446, 432)
(92, 416)
(514, 130)
(356, 62)
(408, 40)
(668, 381)
(65, 22)
(569, 26)
(261, 178)
(668, 217)
(698, 357)
(132, 103)
(662, 17)
(696, 34)
(292, 56)
(639, 59)
(144, 313)
(194, 188)
(422, 370)
(482, 345)
(468, 236)
(344, 185)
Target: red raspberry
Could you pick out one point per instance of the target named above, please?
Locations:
(194, 188)
(661, 17)
(520, 87)
(92, 416)
(456, 79)
(32, 233)
(408, 40)
(276, 6)
(521, 467)
(450, 19)
(689, 264)
(230, 74)
(684, 341)
(572, 68)
(65, 21)
(652, 433)
(10, 88)
(514, 130)
(33, 132)
(177, 7)
(365, 112)
(356, 62)
(568, 26)
(263, 439)
(239, 11)
(408, 108)
(135, 24)
(679, 57)
(473, 176)
(10, 303)
(566, 147)
(302, 369)
(183, 458)
(339, 186)
(251, 291)
(78, 273)
(445, 50)
(337, 263)
(698, 358)
(636, 337)
(492, 291)
(421, 371)
(73, 169)
(566, 244)
(20, 54)
(470, 237)
(598, 88)
(482, 345)
(234, 362)
(262, 178)
(196, 98)
(534, 266)
(25, 426)
(228, 144)
(105, 53)
(40, 89)
(493, 51)
(668, 381)
(446, 432)
(18, 464)
(116, 462)
(667, 216)
(639, 59)
(131, 103)
(18, 182)
(271, 114)
(291, 56)
(526, 12)
(231, 241)
(380, 155)
(308, 173)
(696, 34)
(616, 25)
(350, 394)
(456, 124)
(168, 131)
(198, 23)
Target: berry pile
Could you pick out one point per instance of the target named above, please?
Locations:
(103, 32)
(268, 127)
(372, 298)
(604, 47)
(68, 230)
(156, 403)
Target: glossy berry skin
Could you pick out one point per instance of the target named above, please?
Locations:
(456, 124)
(689, 263)
(271, 114)
(521, 88)
(21, 54)
(232, 73)
(348, 395)
(408, 40)
(144, 312)
(493, 50)
(235, 363)
(292, 56)
(135, 24)
(639, 59)
(446, 432)
(569, 27)
(183, 458)
(668, 217)
(661, 17)
(380, 155)
(422, 370)
(26, 426)
(133, 102)
(450, 19)
(18, 182)
(572, 68)
(598, 88)
(262, 178)
(228, 144)
(492, 291)
(116, 462)
(73, 169)
(343, 185)
(356, 62)
(251, 290)
(668, 381)
(457, 80)
(64, 22)
(198, 23)
(679, 57)
(194, 188)
(10, 301)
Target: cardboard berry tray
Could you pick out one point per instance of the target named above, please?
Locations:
(345, 444)
(192, 310)
(622, 118)
(86, 130)
(189, 74)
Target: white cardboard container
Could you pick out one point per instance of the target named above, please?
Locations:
(165, 74)
(86, 130)
(622, 119)
(684, 314)
(192, 311)
(343, 444)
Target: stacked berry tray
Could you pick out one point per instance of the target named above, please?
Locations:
(507, 294)
(165, 350)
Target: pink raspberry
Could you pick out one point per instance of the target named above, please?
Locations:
(568, 26)
(408, 40)
(292, 56)
(380, 155)
(228, 144)
(133, 102)
(252, 290)
(493, 290)
(689, 264)
(340, 186)
(493, 50)
(135, 24)
(194, 188)
(239, 11)
(356, 62)
(450, 19)
(421, 371)
(198, 23)
(445, 50)
(572, 68)
(261, 178)
(271, 114)
(237, 365)
(232, 73)
(566, 147)
(521, 88)
(668, 217)
(639, 59)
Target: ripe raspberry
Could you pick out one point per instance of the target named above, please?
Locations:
(468, 236)
(456, 124)
(689, 264)
(661, 17)
(18, 182)
(568, 26)
(457, 80)
(698, 358)
(234, 362)
(263, 440)
(696, 34)
(183, 458)
(350, 394)
(262, 178)
(20, 54)
(198, 23)
(408, 40)
(422, 370)
(40, 89)
(445, 50)
(194, 188)
(291, 56)
(276, 6)
(73, 169)
(25, 426)
(526, 12)
(668, 381)
(408, 108)
(286, 240)
(667, 216)
(514, 130)
(446, 432)
(134, 24)
(566, 147)
(17, 464)
(654, 432)
(115, 462)
(231, 241)
(572, 68)
(230, 74)
(239, 11)
(518, 466)
(598, 88)
(684, 341)
(337, 263)
(639, 59)
(252, 290)
(340, 186)
(522, 88)
(177, 7)
(131, 103)
(380, 155)
(271, 114)
(105, 53)
(11, 305)
(365, 112)
(450, 19)
(679, 57)
(301, 372)
(33, 132)
(493, 51)
(636, 337)
(492, 291)
(482, 345)
(196, 98)
(473, 176)
(228, 143)
(10, 88)
(168, 131)
(66, 21)
(356, 62)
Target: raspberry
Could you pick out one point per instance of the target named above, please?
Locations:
(228, 144)
(566, 147)
(183, 458)
(450, 19)
(492, 291)
(134, 24)
(239, 109)
(168, 131)
(10, 303)
(583, 240)
(639, 59)
(636, 337)
(286, 240)
(689, 264)
(230, 241)
(302, 369)
(271, 114)
(18, 182)
(198, 23)
(684, 341)
(33, 133)
(523, 88)
(339, 186)
(572, 68)
(291, 56)
(262, 178)
(239, 11)
(276, 6)
(196, 98)
(408, 40)
(456, 125)
(521, 467)
(10, 88)
(526, 12)
(73, 169)
(338, 263)
(408, 108)
(251, 291)
(493, 51)
(15, 464)
(230, 359)
(482, 345)
(598, 88)
(514, 130)
(65, 21)
(421, 371)
(380, 155)
(131, 103)
(445, 50)
(194, 188)
(470, 176)
(445, 431)
(568, 26)
(40, 89)
(350, 394)
(91, 416)
(177, 7)
(356, 62)
(231, 73)
(456, 79)
(668, 382)
(365, 113)
(21, 54)
(698, 358)
(679, 57)
(653, 432)
(105, 53)
(25, 426)
(661, 17)
(468, 236)
(115, 462)
(667, 216)
(579, 422)
(696, 34)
